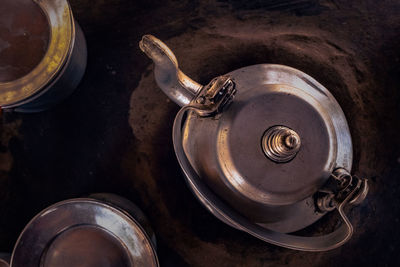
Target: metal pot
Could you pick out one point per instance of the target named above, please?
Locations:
(4, 260)
(59, 71)
(265, 148)
(101, 230)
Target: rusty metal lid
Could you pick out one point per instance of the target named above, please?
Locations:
(83, 232)
(62, 37)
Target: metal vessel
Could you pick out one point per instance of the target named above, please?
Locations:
(101, 230)
(4, 260)
(59, 71)
(265, 148)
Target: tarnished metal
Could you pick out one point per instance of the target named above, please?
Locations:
(306, 131)
(60, 69)
(280, 143)
(341, 184)
(175, 84)
(228, 215)
(227, 151)
(213, 97)
(4, 263)
(95, 231)
(4, 260)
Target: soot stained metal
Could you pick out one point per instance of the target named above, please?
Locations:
(265, 148)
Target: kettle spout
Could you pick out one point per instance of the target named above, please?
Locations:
(175, 84)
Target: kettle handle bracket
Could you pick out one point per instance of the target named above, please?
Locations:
(214, 97)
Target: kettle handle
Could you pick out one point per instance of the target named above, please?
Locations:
(174, 83)
(223, 212)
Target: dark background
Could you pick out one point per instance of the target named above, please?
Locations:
(114, 133)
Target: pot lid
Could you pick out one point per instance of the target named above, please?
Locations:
(277, 142)
(83, 232)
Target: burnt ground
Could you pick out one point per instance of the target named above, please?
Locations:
(114, 133)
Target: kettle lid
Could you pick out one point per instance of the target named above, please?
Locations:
(278, 141)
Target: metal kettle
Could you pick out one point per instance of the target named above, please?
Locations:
(265, 148)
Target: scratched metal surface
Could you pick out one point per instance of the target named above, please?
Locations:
(114, 133)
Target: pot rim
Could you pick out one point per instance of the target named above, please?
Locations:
(62, 38)
(126, 218)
